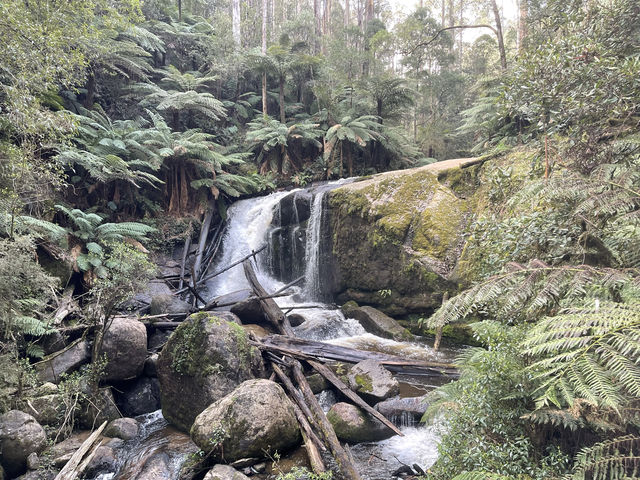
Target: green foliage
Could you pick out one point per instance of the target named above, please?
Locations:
(583, 79)
(483, 411)
(587, 354)
(614, 459)
(25, 291)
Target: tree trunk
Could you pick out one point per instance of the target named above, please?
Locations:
(235, 22)
(503, 54)
(281, 99)
(347, 13)
(179, 10)
(444, 13)
(91, 90)
(522, 24)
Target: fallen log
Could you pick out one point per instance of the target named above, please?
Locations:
(185, 255)
(303, 414)
(204, 234)
(269, 307)
(346, 466)
(351, 395)
(67, 306)
(310, 349)
(75, 465)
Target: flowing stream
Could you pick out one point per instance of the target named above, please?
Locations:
(293, 226)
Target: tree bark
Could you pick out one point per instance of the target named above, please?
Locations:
(317, 15)
(496, 15)
(281, 99)
(522, 24)
(347, 13)
(179, 10)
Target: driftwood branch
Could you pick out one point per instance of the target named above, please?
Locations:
(269, 307)
(75, 465)
(346, 466)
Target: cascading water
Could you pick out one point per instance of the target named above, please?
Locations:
(312, 287)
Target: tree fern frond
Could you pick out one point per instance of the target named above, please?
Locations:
(614, 459)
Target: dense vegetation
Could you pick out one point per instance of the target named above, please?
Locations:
(123, 122)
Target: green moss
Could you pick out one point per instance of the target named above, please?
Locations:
(187, 343)
(364, 383)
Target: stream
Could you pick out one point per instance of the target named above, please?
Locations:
(293, 224)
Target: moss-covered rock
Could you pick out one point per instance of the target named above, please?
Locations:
(204, 360)
(397, 237)
(255, 420)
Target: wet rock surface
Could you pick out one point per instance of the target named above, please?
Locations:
(372, 381)
(123, 428)
(254, 420)
(353, 425)
(376, 322)
(139, 396)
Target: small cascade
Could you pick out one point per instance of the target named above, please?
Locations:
(313, 250)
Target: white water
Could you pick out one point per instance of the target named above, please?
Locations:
(312, 250)
(249, 222)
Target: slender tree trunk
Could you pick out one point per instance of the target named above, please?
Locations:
(522, 24)
(235, 21)
(281, 99)
(503, 54)
(264, 52)
(444, 12)
(347, 13)
(179, 10)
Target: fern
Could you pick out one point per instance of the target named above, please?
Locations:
(477, 475)
(525, 292)
(614, 459)
(590, 353)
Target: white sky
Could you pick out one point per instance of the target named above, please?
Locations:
(509, 12)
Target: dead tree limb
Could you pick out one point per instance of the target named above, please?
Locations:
(269, 307)
(346, 466)
(73, 467)
(350, 394)
(204, 233)
(185, 255)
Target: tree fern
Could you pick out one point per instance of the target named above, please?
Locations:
(590, 353)
(613, 459)
(524, 292)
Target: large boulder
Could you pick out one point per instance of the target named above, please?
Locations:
(353, 425)
(168, 304)
(376, 322)
(372, 381)
(224, 472)
(140, 397)
(20, 435)
(125, 346)
(397, 237)
(403, 411)
(47, 409)
(249, 310)
(254, 420)
(71, 358)
(204, 360)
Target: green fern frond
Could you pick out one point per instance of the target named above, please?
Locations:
(592, 352)
(476, 475)
(614, 459)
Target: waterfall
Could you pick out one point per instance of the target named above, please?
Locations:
(249, 223)
(312, 255)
